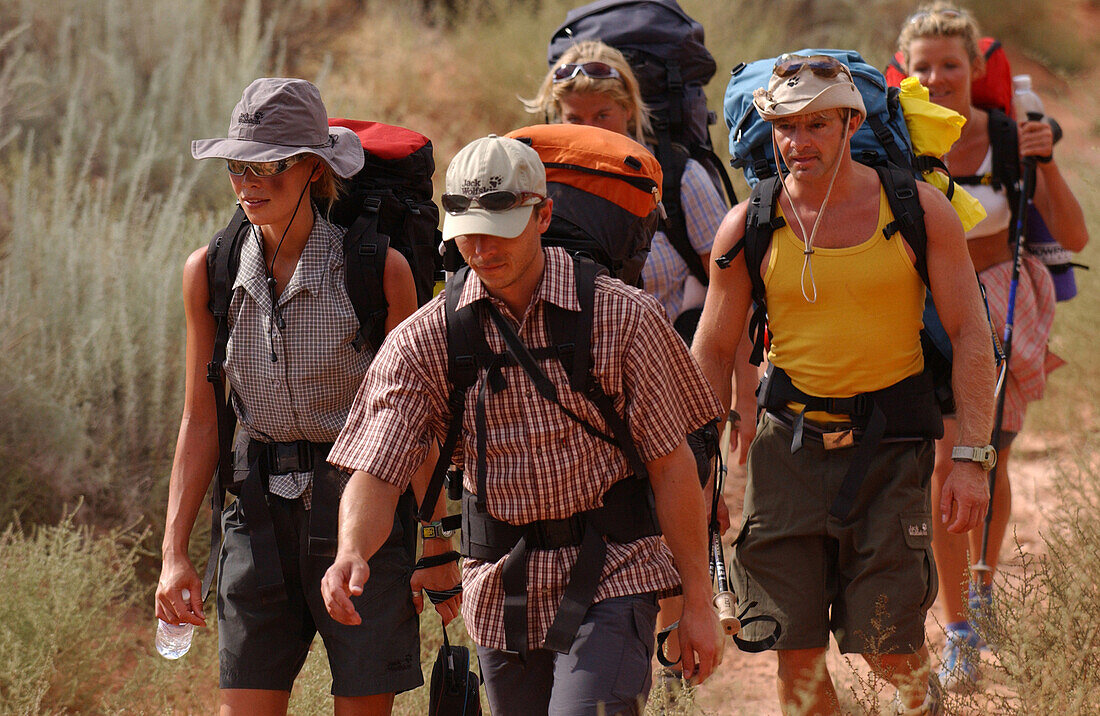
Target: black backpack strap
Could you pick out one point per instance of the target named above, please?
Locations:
(365, 249)
(571, 335)
(900, 186)
(222, 260)
(673, 159)
(462, 363)
(895, 154)
(704, 155)
(1005, 144)
(760, 223)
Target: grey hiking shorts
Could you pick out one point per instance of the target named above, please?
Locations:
(263, 645)
(870, 578)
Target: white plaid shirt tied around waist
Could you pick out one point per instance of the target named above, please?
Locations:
(540, 464)
(306, 391)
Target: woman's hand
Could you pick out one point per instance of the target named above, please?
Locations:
(438, 579)
(176, 575)
(1036, 140)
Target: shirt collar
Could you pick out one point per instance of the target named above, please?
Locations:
(322, 245)
(558, 285)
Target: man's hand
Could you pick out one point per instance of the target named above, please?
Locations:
(701, 640)
(438, 579)
(965, 495)
(344, 580)
(742, 431)
(178, 574)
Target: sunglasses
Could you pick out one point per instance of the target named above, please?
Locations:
(821, 65)
(263, 169)
(592, 70)
(918, 16)
(503, 200)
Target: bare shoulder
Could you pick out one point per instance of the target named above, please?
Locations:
(936, 205)
(731, 230)
(195, 283)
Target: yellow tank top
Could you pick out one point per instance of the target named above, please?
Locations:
(863, 331)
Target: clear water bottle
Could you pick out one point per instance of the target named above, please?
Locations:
(173, 640)
(1027, 103)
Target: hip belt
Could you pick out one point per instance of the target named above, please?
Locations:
(906, 410)
(628, 514)
(254, 461)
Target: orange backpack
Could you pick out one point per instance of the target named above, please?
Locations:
(606, 190)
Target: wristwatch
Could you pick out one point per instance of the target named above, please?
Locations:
(434, 530)
(986, 456)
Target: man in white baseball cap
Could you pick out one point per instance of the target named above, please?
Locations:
(837, 515)
(567, 488)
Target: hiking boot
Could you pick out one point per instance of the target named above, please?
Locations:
(959, 672)
(980, 606)
(932, 704)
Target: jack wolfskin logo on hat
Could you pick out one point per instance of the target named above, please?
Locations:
(475, 187)
(793, 81)
(253, 118)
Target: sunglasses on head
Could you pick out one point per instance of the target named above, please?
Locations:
(592, 70)
(918, 16)
(820, 65)
(263, 169)
(502, 200)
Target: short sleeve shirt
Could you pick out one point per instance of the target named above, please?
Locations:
(297, 381)
(540, 464)
(704, 208)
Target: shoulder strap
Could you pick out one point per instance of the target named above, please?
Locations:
(901, 193)
(462, 327)
(673, 161)
(365, 249)
(1004, 142)
(570, 334)
(222, 260)
(760, 223)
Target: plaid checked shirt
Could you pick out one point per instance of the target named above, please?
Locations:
(541, 465)
(704, 208)
(306, 392)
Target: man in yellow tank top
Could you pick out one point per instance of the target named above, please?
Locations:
(844, 307)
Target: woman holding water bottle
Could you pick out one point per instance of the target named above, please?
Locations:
(293, 366)
(940, 47)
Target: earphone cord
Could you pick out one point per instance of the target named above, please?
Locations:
(269, 270)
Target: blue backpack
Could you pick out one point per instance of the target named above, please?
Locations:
(882, 138)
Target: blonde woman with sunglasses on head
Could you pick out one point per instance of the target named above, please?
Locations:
(293, 373)
(940, 47)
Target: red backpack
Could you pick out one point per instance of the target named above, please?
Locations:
(992, 89)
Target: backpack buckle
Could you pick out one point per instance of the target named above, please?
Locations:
(213, 371)
(373, 204)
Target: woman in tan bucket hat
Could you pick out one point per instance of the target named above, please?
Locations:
(293, 372)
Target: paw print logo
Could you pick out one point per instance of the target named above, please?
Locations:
(794, 81)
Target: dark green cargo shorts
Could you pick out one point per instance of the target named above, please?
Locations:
(870, 578)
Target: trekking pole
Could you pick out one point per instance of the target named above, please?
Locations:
(724, 601)
(1028, 188)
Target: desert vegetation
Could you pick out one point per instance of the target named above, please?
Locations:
(100, 202)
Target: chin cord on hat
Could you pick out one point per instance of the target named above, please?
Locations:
(269, 270)
(808, 239)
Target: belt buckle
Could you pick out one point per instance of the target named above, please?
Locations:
(838, 439)
(284, 458)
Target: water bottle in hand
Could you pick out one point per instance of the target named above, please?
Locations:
(1027, 102)
(173, 640)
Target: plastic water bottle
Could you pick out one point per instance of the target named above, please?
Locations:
(173, 640)
(1027, 103)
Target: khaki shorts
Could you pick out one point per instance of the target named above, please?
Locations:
(869, 579)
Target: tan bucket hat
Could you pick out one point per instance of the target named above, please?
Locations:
(801, 85)
(279, 117)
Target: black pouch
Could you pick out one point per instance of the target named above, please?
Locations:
(704, 446)
(454, 689)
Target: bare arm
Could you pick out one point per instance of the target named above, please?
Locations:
(196, 454)
(366, 517)
(959, 304)
(727, 305)
(683, 521)
(400, 290)
(1053, 197)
